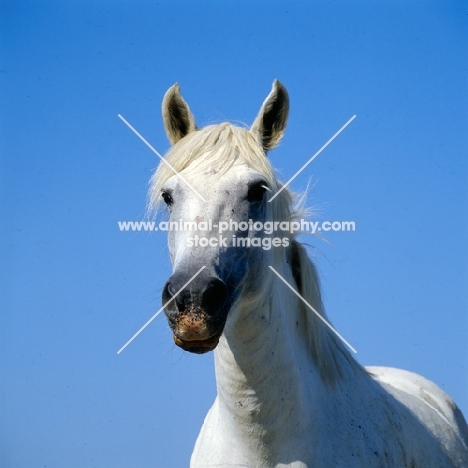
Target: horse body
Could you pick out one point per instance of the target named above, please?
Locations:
(289, 392)
(273, 408)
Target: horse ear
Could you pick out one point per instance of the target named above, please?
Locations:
(270, 123)
(177, 117)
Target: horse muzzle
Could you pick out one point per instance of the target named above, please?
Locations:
(196, 314)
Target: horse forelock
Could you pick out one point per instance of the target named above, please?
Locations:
(215, 147)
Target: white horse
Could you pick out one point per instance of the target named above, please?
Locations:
(289, 393)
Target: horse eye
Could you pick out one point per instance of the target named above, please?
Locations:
(256, 193)
(167, 198)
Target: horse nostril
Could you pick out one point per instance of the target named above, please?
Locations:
(214, 295)
(179, 301)
(170, 289)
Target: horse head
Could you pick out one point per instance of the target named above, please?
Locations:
(214, 182)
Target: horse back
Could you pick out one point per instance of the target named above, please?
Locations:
(434, 409)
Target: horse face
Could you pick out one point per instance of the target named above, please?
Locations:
(213, 264)
(212, 236)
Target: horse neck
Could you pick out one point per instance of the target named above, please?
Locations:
(263, 367)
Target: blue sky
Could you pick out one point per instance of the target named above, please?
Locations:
(75, 289)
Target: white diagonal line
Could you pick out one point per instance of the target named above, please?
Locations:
(312, 158)
(162, 159)
(160, 310)
(312, 309)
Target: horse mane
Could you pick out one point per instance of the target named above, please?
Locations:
(326, 348)
(217, 148)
